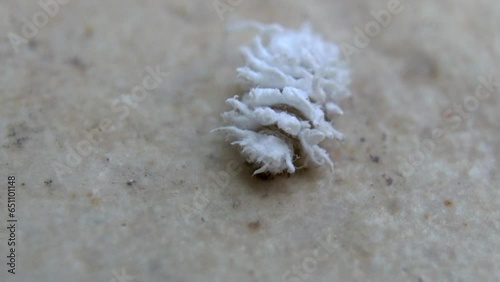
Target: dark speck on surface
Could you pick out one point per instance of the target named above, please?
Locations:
(20, 141)
(78, 63)
(265, 176)
(254, 225)
(374, 158)
(388, 181)
(448, 203)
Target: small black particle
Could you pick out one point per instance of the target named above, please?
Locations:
(130, 182)
(20, 141)
(362, 139)
(48, 182)
(23, 184)
(375, 158)
(202, 219)
(448, 203)
(388, 181)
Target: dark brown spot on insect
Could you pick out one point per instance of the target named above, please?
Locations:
(264, 175)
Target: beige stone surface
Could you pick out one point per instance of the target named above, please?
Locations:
(163, 200)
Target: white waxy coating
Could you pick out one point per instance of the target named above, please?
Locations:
(296, 81)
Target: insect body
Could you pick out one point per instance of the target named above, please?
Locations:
(296, 80)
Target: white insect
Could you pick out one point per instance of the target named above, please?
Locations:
(296, 81)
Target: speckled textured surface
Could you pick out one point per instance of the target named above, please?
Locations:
(161, 199)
